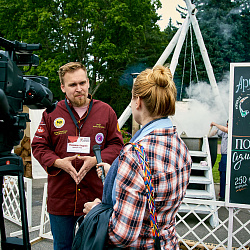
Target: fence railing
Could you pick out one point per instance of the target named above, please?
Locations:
(194, 229)
(11, 204)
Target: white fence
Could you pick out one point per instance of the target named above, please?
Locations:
(11, 204)
(194, 229)
(231, 232)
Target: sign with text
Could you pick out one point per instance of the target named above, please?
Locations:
(238, 167)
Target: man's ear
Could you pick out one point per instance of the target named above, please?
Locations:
(88, 83)
(62, 88)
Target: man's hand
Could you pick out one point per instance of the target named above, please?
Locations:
(89, 162)
(89, 205)
(66, 165)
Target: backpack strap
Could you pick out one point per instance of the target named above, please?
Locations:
(144, 163)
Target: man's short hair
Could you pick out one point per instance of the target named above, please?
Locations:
(70, 67)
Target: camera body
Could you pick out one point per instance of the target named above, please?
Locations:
(17, 89)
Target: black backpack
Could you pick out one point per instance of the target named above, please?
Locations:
(93, 230)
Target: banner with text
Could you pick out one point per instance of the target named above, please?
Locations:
(239, 134)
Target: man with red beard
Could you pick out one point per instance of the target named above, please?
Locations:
(71, 130)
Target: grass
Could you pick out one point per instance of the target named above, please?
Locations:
(216, 173)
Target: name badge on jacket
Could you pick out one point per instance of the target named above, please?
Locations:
(78, 144)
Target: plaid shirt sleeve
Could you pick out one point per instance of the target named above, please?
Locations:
(126, 221)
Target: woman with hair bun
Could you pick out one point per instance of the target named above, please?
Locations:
(153, 100)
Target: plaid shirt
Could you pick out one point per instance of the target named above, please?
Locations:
(170, 164)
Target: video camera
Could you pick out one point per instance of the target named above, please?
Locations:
(17, 89)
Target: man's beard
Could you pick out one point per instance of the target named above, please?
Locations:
(79, 102)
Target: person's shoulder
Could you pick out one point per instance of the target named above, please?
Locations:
(60, 105)
(225, 134)
(127, 149)
(129, 154)
(219, 132)
(101, 104)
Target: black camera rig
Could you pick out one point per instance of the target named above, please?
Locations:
(16, 90)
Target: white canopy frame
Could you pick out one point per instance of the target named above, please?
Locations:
(177, 43)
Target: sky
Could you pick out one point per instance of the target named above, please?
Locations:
(169, 10)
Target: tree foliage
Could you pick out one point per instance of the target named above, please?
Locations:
(107, 36)
(115, 38)
(225, 28)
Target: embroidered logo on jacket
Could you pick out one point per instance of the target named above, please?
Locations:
(59, 122)
(40, 129)
(98, 125)
(60, 132)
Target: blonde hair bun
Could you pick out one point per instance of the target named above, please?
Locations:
(160, 75)
(157, 88)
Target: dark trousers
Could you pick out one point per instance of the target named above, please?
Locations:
(223, 169)
(62, 227)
